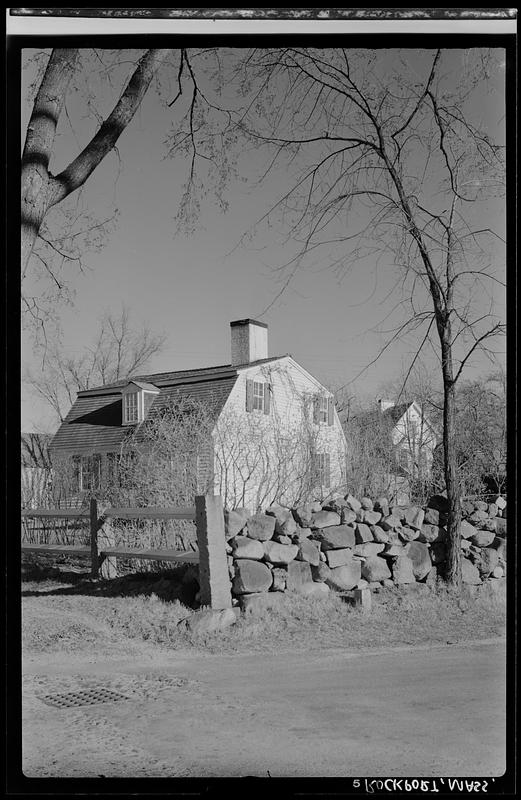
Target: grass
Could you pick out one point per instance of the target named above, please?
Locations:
(66, 611)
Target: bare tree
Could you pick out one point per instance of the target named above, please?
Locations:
(119, 350)
(387, 162)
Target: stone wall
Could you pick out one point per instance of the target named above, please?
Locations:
(349, 543)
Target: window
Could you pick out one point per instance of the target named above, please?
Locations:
(323, 410)
(131, 406)
(90, 472)
(321, 469)
(258, 396)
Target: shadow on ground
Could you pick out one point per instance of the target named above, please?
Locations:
(178, 583)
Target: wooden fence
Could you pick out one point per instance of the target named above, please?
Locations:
(215, 590)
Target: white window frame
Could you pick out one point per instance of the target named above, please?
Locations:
(258, 396)
(90, 466)
(131, 407)
(322, 409)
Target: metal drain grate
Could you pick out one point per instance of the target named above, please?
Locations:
(85, 697)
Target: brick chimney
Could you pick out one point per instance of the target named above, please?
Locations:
(249, 341)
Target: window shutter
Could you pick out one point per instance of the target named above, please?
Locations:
(267, 396)
(316, 409)
(249, 395)
(329, 410)
(327, 470)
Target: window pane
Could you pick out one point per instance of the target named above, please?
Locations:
(258, 396)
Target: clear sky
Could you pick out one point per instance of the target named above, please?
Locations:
(190, 286)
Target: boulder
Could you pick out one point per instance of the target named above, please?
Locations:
(393, 549)
(209, 621)
(489, 561)
(320, 572)
(420, 557)
(469, 572)
(345, 577)
(287, 528)
(488, 525)
(367, 504)
(337, 558)
(438, 552)
(413, 517)
(279, 579)
(501, 526)
(363, 533)
(347, 516)
(303, 515)
(477, 517)
(398, 511)
(325, 519)
(308, 551)
(499, 502)
(381, 504)
(467, 530)
(234, 521)
(261, 527)
(432, 517)
(375, 569)
(432, 533)
(371, 517)
(465, 544)
(335, 504)
(277, 553)
(314, 589)
(403, 571)
(497, 572)
(483, 538)
(368, 549)
(244, 547)
(353, 503)
(438, 502)
(481, 505)
(281, 539)
(257, 603)
(492, 510)
(390, 523)
(251, 577)
(298, 572)
(407, 534)
(300, 535)
(379, 535)
(280, 513)
(336, 537)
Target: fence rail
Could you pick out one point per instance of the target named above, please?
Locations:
(209, 520)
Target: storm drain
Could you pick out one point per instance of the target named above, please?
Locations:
(85, 697)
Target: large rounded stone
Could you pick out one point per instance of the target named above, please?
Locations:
(489, 561)
(381, 504)
(431, 533)
(492, 510)
(308, 551)
(469, 572)
(298, 572)
(413, 517)
(467, 530)
(347, 516)
(488, 525)
(363, 533)
(325, 519)
(244, 547)
(353, 503)
(280, 513)
(303, 515)
(345, 577)
(251, 576)
(277, 553)
(407, 534)
(337, 558)
(420, 557)
(375, 569)
(371, 517)
(501, 526)
(390, 523)
(483, 538)
(261, 527)
(367, 503)
(432, 517)
(403, 571)
(336, 536)
(368, 549)
(234, 521)
(379, 535)
(321, 572)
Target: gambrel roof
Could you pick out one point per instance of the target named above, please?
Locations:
(94, 423)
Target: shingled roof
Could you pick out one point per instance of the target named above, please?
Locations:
(94, 423)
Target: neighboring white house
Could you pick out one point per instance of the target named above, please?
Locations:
(276, 433)
(413, 436)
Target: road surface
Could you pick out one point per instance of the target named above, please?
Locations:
(424, 712)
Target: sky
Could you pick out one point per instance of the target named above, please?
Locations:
(191, 285)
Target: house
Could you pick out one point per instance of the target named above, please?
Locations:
(35, 467)
(275, 431)
(413, 437)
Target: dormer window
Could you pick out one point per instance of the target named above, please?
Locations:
(137, 399)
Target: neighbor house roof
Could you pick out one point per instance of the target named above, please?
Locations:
(94, 423)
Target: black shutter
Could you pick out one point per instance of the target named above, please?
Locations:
(249, 395)
(329, 410)
(267, 395)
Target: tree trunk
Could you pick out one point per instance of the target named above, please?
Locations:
(452, 484)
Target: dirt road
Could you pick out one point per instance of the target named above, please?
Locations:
(435, 711)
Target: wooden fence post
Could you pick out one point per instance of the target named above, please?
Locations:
(214, 579)
(108, 568)
(94, 558)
